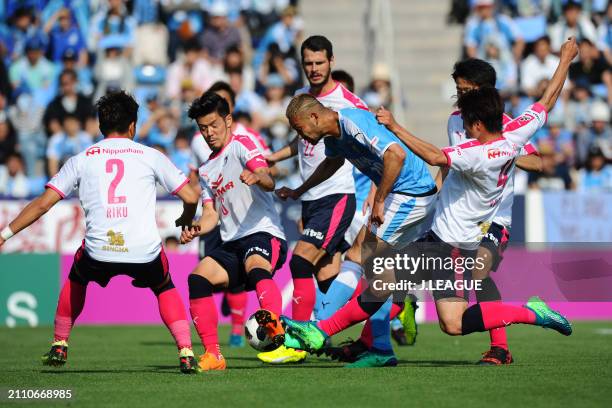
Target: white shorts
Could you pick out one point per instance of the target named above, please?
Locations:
(407, 218)
(359, 221)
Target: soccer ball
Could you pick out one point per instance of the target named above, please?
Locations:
(264, 331)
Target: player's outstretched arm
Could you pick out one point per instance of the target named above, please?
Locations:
(207, 222)
(426, 151)
(569, 51)
(31, 213)
(286, 152)
(530, 162)
(190, 205)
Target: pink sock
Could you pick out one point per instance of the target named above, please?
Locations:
(172, 311)
(358, 289)
(304, 296)
(237, 303)
(497, 314)
(269, 296)
(346, 316)
(205, 319)
(498, 337)
(69, 307)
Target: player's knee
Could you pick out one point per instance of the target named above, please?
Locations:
(256, 275)
(301, 268)
(199, 286)
(452, 327)
(167, 284)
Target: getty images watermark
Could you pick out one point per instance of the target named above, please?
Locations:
(415, 273)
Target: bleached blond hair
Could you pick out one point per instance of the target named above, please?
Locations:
(301, 105)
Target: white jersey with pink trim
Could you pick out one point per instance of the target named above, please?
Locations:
(243, 210)
(477, 178)
(200, 152)
(310, 156)
(457, 135)
(116, 180)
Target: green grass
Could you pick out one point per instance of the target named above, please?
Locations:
(137, 366)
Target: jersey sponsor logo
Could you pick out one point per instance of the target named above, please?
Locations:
(260, 250)
(92, 151)
(496, 153)
(218, 182)
(309, 232)
(116, 242)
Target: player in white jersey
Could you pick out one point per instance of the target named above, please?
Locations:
(328, 210)
(471, 194)
(116, 180)
(234, 301)
(468, 75)
(237, 190)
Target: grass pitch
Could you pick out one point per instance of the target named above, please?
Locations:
(136, 366)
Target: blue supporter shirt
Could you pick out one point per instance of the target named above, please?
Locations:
(363, 141)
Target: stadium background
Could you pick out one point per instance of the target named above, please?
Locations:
(399, 52)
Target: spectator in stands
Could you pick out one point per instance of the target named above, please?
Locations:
(553, 177)
(485, 23)
(378, 92)
(541, 64)
(181, 155)
(220, 34)
(64, 34)
(21, 27)
(234, 62)
(113, 70)
(593, 69)
(159, 130)
(14, 182)
(191, 66)
(70, 61)
(26, 116)
(285, 34)
(63, 145)
(277, 64)
(554, 137)
(605, 35)
(502, 61)
(112, 22)
(68, 102)
(345, 79)
(598, 134)
(171, 244)
(8, 141)
(33, 73)
(246, 100)
(579, 106)
(597, 175)
(276, 101)
(572, 24)
(261, 14)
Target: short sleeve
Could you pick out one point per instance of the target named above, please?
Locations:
(67, 179)
(250, 155)
(168, 175)
(463, 158)
(453, 126)
(528, 149)
(521, 129)
(331, 150)
(207, 194)
(377, 137)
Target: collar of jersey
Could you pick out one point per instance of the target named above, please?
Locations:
(215, 155)
(325, 94)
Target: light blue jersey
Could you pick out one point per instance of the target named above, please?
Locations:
(363, 141)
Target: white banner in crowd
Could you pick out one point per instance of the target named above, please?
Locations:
(62, 229)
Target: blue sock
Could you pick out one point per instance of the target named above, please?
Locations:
(339, 292)
(381, 337)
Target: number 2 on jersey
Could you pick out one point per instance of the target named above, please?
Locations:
(503, 174)
(110, 164)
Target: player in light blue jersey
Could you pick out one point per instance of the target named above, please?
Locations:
(403, 202)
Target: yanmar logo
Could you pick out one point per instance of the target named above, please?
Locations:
(496, 153)
(219, 188)
(92, 151)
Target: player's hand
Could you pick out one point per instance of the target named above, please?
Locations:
(285, 192)
(569, 50)
(386, 118)
(188, 234)
(249, 178)
(271, 159)
(378, 213)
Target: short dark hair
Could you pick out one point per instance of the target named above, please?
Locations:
(317, 43)
(69, 72)
(206, 104)
(223, 86)
(116, 111)
(476, 71)
(343, 76)
(482, 105)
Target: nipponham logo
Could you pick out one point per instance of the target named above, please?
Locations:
(92, 151)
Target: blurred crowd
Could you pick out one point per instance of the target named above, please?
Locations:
(521, 39)
(59, 56)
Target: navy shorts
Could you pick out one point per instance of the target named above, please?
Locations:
(496, 240)
(152, 274)
(232, 255)
(209, 242)
(326, 221)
